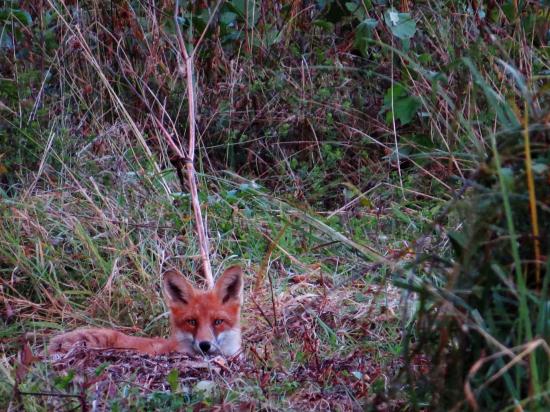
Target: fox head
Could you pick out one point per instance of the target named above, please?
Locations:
(206, 321)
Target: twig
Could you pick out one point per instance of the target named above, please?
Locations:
(189, 161)
(53, 394)
(212, 15)
(275, 323)
(261, 311)
(395, 129)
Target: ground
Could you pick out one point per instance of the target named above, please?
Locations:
(315, 347)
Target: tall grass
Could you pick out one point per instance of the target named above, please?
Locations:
(484, 324)
(367, 145)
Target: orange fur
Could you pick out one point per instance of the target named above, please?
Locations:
(202, 321)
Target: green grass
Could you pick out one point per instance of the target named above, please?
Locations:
(376, 171)
(88, 258)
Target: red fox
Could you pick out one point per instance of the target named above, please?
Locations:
(203, 322)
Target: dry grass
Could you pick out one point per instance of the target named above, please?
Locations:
(316, 345)
(82, 252)
(330, 201)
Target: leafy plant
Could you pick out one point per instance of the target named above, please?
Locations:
(399, 104)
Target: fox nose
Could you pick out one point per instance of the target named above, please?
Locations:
(204, 346)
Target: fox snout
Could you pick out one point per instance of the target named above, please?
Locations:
(204, 337)
(204, 341)
(227, 343)
(205, 346)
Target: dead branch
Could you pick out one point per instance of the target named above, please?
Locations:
(189, 160)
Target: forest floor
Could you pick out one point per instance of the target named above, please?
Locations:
(295, 360)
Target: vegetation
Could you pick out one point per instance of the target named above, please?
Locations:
(381, 170)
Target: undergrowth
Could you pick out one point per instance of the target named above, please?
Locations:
(379, 168)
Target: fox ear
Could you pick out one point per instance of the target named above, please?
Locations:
(229, 286)
(177, 289)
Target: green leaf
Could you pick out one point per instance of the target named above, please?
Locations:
(246, 9)
(357, 10)
(173, 379)
(21, 16)
(321, 4)
(351, 6)
(273, 36)
(62, 382)
(101, 368)
(399, 91)
(404, 105)
(458, 241)
(363, 33)
(369, 23)
(6, 41)
(402, 216)
(228, 18)
(402, 25)
(325, 25)
(509, 10)
(405, 109)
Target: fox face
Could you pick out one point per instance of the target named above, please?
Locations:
(206, 321)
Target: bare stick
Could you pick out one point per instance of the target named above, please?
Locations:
(189, 161)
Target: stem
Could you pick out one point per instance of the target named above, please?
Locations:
(532, 194)
(189, 164)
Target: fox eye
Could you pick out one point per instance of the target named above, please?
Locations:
(192, 322)
(218, 322)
